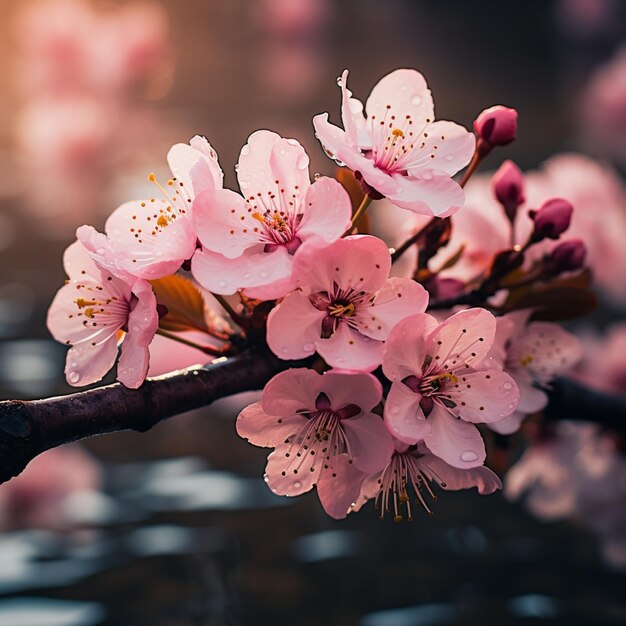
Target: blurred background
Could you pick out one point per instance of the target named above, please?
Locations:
(176, 526)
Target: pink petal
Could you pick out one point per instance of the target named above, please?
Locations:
(195, 165)
(293, 327)
(509, 424)
(361, 263)
(223, 224)
(86, 364)
(147, 249)
(454, 479)
(428, 193)
(348, 349)
(398, 299)
(343, 388)
(297, 480)
(328, 211)
(265, 430)
(339, 147)
(403, 416)
(448, 147)
(370, 443)
(483, 396)
(405, 349)
(456, 442)
(531, 399)
(291, 391)
(267, 158)
(351, 111)
(406, 92)
(77, 262)
(464, 338)
(338, 493)
(254, 268)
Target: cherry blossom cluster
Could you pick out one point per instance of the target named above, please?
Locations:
(379, 398)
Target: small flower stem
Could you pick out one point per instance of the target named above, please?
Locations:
(358, 214)
(228, 308)
(482, 150)
(412, 240)
(212, 350)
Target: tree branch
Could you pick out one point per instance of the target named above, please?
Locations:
(28, 428)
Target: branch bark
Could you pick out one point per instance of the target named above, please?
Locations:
(28, 428)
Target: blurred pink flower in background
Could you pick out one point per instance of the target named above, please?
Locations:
(81, 75)
(577, 473)
(481, 226)
(37, 497)
(603, 109)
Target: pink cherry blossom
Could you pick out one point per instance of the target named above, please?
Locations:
(415, 467)
(398, 149)
(345, 306)
(533, 354)
(90, 311)
(37, 498)
(323, 431)
(152, 238)
(252, 242)
(439, 388)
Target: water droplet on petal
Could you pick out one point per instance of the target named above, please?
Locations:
(339, 81)
(237, 167)
(246, 274)
(297, 484)
(243, 184)
(450, 157)
(511, 405)
(308, 347)
(264, 273)
(222, 283)
(317, 176)
(416, 100)
(427, 175)
(100, 251)
(395, 410)
(508, 386)
(293, 142)
(284, 349)
(73, 377)
(302, 162)
(469, 456)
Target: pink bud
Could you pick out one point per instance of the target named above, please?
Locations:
(552, 219)
(497, 125)
(567, 256)
(508, 187)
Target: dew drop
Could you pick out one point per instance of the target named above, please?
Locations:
(100, 251)
(395, 410)
(511, 405)
(293, 142)
(468, 456)
(246, 274)
(416, 100)
(317, 176)
(73, 377)
(264, 273)
(297, 484)
(339, 81)
(222, 283)
(449, 157)
(243, 184)
(237, 166)
(508, 386)
(302, 162)
(427, 175)
(308, 347)
(284, 349)
(403, 88)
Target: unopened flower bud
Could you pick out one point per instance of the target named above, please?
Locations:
(508, 187)
(568, 256)
(497, 125)
(552, 219)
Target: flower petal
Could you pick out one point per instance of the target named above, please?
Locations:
(370, 443)
(223, 223)
(291, 391)
(406, 93)
(328, 211)
(195, 165)
(343, 388)
(338, 493)
(348, 349)
(265, 430)
(405, 349)
(293, 327)
(283, 475)
(398, 299)
(457, 442)
(453, 479)
(509, 424)
(403, 415)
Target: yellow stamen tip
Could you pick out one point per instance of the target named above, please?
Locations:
(396, 132)
(152, 177)
(162, 221)
(89, 313)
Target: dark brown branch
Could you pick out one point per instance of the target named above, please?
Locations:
(28, 428)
